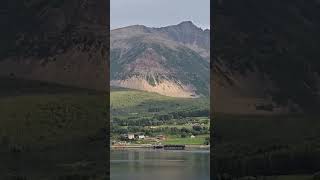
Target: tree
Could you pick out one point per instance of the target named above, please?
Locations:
(184, 135)
(197, 128)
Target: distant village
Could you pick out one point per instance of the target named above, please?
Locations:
(132, 137)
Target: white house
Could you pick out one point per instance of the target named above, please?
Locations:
(130, 136)
(141, 136)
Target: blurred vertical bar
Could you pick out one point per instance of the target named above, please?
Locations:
(54, 93)
(266, 89)
(212, 90)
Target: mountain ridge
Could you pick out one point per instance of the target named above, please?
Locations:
(158, 60)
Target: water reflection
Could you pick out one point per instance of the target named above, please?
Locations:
(156, 165)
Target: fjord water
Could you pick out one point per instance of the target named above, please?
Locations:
(159, 165)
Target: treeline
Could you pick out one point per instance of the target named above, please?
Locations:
(152, 122)
(191, 113)
(178, 118)
(144, 121)
(133, 124)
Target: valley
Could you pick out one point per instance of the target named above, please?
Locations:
(160, 85)
(158, 118)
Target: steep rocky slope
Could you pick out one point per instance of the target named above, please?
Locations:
(266, 56)
(172, 61)
(57, 41)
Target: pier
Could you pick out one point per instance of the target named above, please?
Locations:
(174, 147)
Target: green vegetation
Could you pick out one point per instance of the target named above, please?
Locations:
(47, 119)
(38, 114)
(201, 139)
(266, 145)
(135, 101)
(151, 114)
(59, 129)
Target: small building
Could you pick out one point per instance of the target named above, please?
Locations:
(130, 136)
(141, 136)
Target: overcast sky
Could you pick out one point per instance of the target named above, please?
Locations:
(159, 13)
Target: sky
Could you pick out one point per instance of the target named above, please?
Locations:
(159, 13)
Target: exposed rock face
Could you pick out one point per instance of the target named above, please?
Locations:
(266, 52)
(166, 87)
(249, 93)
(172, 61)
(190, 35)
(57, 41)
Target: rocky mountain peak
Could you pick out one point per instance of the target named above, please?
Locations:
(169, 60)
(189, 34)
(187, 24)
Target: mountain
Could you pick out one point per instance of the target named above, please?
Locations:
(172, 60)
(266, 56)
(56, 41)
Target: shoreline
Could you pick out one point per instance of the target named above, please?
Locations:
(150, 146)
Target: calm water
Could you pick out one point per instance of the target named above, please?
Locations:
(159, 165)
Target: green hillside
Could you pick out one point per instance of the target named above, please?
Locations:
(46, 119)
(51, 126)
(135, 111)
(140, 100)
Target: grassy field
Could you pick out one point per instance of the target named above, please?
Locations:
(50, 119)
(198, 140)
(136, 101)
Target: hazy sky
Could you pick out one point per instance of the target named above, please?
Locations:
(159, 13)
